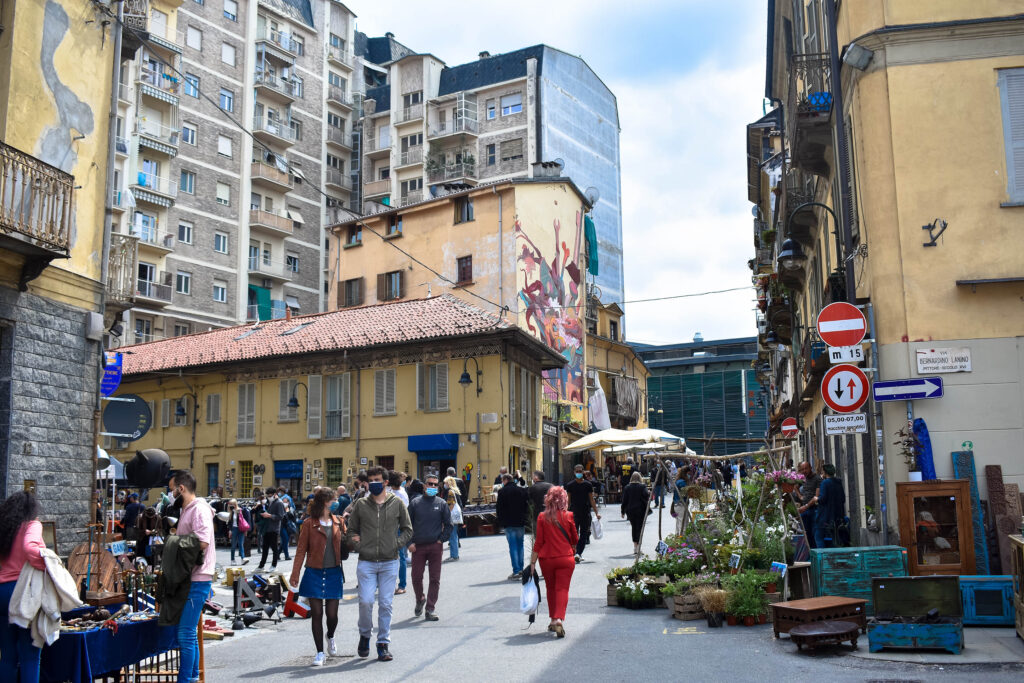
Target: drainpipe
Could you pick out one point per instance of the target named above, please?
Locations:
(501, 255)
(359, 377)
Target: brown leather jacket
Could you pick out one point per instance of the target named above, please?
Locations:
(312, 542)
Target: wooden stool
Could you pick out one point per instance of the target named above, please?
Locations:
(824, 633)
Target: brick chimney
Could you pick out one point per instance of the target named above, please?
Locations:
(485, 54)
(287, 312)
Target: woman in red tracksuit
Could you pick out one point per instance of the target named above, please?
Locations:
(554, 543)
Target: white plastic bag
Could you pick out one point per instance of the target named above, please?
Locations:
(595, 529)
(457, 514)
(529, 599)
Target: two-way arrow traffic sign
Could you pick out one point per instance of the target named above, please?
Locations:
(907, 389)
(844, 388)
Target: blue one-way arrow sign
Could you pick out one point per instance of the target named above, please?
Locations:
(907, 389)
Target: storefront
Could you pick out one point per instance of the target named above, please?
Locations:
(435, 453)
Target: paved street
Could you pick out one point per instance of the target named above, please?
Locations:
(482, 636)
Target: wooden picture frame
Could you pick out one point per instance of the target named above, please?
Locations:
(307, 477)
(316, 464)
(50, 535)
(309, 486)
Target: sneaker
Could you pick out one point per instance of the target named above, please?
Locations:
(431, 616)
(382, 653)
(364, 647)
(319, 659)
(419, 607)
(245, 561)
(514, 575)
(259, 567)
(578, 559)
(332, 647)
(273, 567)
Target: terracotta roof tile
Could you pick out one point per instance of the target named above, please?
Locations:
(350, 328)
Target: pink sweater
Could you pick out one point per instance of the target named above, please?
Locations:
(25, 548)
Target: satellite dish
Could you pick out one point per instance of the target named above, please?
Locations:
(754, 210)
(593, 195)
(129, 417)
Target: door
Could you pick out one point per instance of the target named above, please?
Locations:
(149, 174)
(386, 461)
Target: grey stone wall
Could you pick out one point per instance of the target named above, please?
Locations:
(53, 371)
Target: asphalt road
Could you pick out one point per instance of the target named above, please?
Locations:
(481, 636)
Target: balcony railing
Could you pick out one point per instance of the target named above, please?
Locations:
(337, 94)
(280, 40)
(452, 172)
(333, 176)
(121, 268)
(373, 143)
(272, 174)
(275, 270)
(411, 197)
(339, 137)
(411, 156)
(808, 111)
(161, 81)
(375, 187)
(124, 92)
(339, 56)
(279, 85)
(36, 200)
(157, 131)
(153, 237)
(268, 219)
(152, 290)
(458, 125)
(121, 145)
(155, 183)
(410, 113)
(275, 312)
(277, 127)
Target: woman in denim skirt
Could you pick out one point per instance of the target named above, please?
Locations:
(322, 547)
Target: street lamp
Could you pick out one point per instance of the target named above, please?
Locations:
(179, 411)
(791, 255)
(465, 380)
(293, 402)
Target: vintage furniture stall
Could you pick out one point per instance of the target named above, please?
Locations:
(786, 615)
(917, 612)
(936, 526)
(847, 572)
(1017, 557)
(987, 600)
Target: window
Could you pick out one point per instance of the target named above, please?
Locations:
(1011, 92)
(512, 408)
(335, 121)
(395, 224)
(490, 152)
(246, 413)
(188, 182)
(511, 104)
(337, 408)
(384, 173)
(335, 162)
(409, 99)
(432, 386)
(192, 85)
(181, 329)
(354, 234)
(212, 476)
(231, 9)
(213, 407)
(220, 242)
(143, 327)
(296, 127)
(224, 146)
(224, 194)
(463, 209)
(464, 270)
(227, 53)
(287, 387)
(291, 262)
(613, 329)
(188, 130)
(336, 80)
(512, 150)
(334, 471)
(351, 292)
(182, 419)
(384, 392)
(337, 42)
(184, 232)
(297, 86)
(490, 109)
(390, 286)
(227, 100)
(245, 477)
(220, 291)
(183, 282)
(194, 38)
(299, 45)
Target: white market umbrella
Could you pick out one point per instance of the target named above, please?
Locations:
(623, 437)
(637, 447)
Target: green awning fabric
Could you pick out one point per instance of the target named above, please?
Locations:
(590, 232)
(263, 305)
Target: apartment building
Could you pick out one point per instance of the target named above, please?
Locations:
(431, 129)
(228, 225)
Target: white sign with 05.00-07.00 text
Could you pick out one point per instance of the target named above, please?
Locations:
(850, 423)
(943, 360)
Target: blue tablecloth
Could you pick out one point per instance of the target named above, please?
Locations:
(83, 655)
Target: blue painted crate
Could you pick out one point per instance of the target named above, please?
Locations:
(987, 600)
(909, 597)
(948, 637)
(847, 572)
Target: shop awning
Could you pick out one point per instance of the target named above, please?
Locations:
(434, 446)
(288, 469)
(292, 302)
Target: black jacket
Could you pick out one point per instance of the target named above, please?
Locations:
(277, 512)
(431, 519)
(634, 498)
(537, 493)
(181, 555)
(513, 506)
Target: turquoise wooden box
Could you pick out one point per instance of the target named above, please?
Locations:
(847, 572)
(902, 602)
(987, 600)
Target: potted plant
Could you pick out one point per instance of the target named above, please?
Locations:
(712, 601)
(909, 448)
(787, 480)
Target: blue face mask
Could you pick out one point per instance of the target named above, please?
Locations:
(579, 475)
(431, 491)
(376, 487)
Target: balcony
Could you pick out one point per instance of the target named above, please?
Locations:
(157, 137)
(337, 95)
(414, 155)
(340, 58)
(122, 263)
(339, 138)
(809, 112)
(375, 147)
(410, 198)
(336, 179)
(36, 211)
(159, 85)
(136, 18)
(275, 88)
(121, 147)
(273, 271)
(277, 45)
(124, 93)
(814, 359)
(376, 188)
(803, 225)
(271, 176)
(447, 173)
(119, 201)
(269, 222)
(779, 315)
(458, 126)
(162, 242)
(273, 131)
(410, 113)
(154, 190)
(276, 311)
(149, 292)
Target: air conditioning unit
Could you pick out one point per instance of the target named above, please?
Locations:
(169, 241)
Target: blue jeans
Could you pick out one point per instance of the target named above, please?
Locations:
(284, 539)
(187, 642)
(514, 535)
(807, 517)
(403, 563)
(453, 542)
(16, 650)
(659, 495)
(237, 543)
(376, 580)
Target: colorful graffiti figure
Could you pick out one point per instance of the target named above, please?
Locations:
(551, 294)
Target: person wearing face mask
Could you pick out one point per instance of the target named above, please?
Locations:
(373, 531)
(431, 525)
(581, 502)
(512, 510)
(272, 527)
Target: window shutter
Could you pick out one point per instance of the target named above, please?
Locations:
(165, 412)
(382, 287)
(538, 387)
(442, 386)
(213, 408)
(378, 392)
(152, 412)
(341, 303)
(389, 402)
(1011, 82)
(242, 401)
(282, 402)
(524, 397)
(359, 287)
(511, 397)
(401, 284)
(421, 386)
(529, 403)
(313, 401)
(345, 403)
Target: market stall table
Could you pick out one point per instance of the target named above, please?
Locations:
(786, 615)
(824, 633)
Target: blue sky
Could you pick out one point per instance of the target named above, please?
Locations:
(688, 76)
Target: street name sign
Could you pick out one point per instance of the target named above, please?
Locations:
(908, 389)
(853, 423)
(844, 388)
(789, 427)
(841, 324)
(943, 360)
(845, 354)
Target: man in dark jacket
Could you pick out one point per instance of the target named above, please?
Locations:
(537, 492)
(431, 527)
(272, 527)
(831, 511)
(513, 508)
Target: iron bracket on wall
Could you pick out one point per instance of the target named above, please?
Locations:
(939, 224)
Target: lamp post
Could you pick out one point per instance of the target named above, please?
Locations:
(180, 411)
(465, 380)
(293, 402)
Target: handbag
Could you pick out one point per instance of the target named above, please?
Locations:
(243, 523)
(564, 533)
(457, 514)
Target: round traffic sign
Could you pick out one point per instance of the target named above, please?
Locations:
(841, 324)
(789, 427)
(844, 388)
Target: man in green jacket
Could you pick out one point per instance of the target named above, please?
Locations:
(373, 530)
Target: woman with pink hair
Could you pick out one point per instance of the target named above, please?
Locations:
(555, 545)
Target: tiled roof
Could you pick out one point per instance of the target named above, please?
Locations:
(380, 50)
(416, 320)
(495, 69)
(382, 96)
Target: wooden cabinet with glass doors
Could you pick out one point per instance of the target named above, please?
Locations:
(935, 526)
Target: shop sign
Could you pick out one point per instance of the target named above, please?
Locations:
(850, 423)
(943, 360)
(550, 429)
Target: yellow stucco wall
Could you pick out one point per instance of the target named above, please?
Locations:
(862, 16)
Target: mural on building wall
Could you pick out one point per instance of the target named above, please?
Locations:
(74, 116)
(550, 291)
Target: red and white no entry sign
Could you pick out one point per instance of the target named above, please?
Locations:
(789, 427)
(844, 388)
(841, 324)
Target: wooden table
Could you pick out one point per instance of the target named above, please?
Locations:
(824, 632)
(786, 615)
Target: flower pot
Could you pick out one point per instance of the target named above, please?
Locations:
(914, 476)
(762, 618)
(714, 619)
(770, 587)
(670, 602)
(730, 619)
(749, 621)
(787, 487)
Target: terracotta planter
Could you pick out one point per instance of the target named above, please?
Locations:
(749, 621)
(787, 487)
(762, 618)
(770, 587)
(730, 619)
